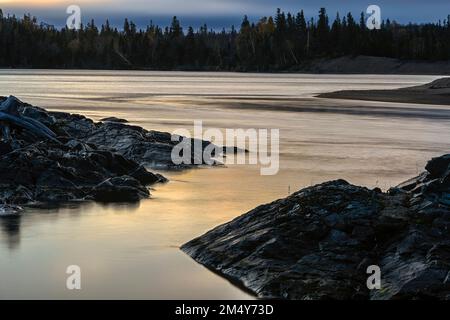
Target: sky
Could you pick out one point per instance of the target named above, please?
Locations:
(218, 13)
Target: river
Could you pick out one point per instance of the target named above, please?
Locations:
(132, 251)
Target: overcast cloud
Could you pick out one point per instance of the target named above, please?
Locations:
(219, 13)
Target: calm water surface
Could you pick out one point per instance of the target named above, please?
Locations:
(132, 251)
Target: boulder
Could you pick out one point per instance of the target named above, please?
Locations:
(64, 173)
(119, 189)
(438, 166)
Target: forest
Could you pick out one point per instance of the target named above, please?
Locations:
(277, 43)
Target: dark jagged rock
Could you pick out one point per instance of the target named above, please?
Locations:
(58, 173)
(52, 157)
(150, 148)
(9, 210)
(438, 166)
(318, 242)
(114, 119)
(119, 189)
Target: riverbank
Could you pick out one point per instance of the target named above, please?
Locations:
(375, 65)
(341, 65)
(436, 92)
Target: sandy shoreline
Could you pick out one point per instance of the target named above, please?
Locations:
(332, 106)
(436, 92)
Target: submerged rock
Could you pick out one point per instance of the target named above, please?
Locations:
(318, 242)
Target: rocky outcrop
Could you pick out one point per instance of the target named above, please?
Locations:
(56, 156)
(53, 157)
(318, 242)
(46, 157)
(47, 172)
(146, 147)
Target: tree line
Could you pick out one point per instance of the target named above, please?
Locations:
(281, 42)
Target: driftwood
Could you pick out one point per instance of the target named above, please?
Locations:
(10, 116)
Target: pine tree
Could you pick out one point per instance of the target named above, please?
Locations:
(175, 28)
(301, 22)
(126, 26)
(323, 30)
